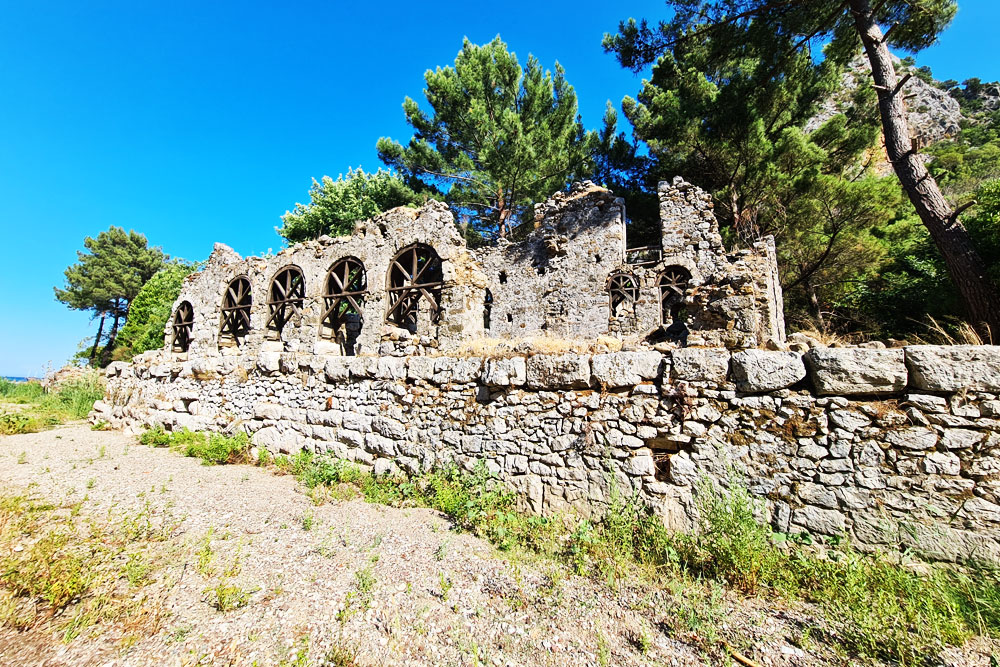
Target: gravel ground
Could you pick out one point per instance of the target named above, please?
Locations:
(390, 586)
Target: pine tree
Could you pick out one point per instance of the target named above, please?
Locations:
(499, 136)
(107, 277)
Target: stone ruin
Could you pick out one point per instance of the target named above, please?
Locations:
(401, 349)
(406, 281)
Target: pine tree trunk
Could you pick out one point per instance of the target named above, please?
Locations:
(966, 267)
(97, 340)
(106, 356)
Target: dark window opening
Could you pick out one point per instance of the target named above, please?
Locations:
(343, 303)
(487, 309)
(597, 259)
(662, 449)
(236, 312)
(503, 277)
(183, 326)
(623, 292)
(286, 298)
(510, 318)
(672, 284)
(415, 280)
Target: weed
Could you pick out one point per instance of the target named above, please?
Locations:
(206, 555)
(307, 520)
(446, 585)
(22, 458)
(91, 482)
(227, 597)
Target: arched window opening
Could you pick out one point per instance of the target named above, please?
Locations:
(487, 309)
(182, 326)
(672, 283)
(623, 292)
(286, 298)
(236, 312)
(343, 301)
(414, 284)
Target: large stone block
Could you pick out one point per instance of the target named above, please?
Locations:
(505, 372)
(567, 371)
(694, 364)
(764, 370)
(337, 369)
(851, 371)
(625, 369)
(954, 367)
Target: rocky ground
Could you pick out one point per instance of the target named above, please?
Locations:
(348, 582)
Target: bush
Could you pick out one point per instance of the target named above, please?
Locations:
(211, 448)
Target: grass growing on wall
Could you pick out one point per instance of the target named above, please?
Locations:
(877, 607)
(27, 407)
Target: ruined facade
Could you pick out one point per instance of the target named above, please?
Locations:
(359, 347)
(406, 281)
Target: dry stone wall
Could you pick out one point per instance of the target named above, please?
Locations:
(895, 448)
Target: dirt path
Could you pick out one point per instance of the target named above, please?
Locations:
(325, 584)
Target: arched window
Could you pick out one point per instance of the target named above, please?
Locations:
(623, 292)
(183, 324)
(343, 301)
(236, 312)
(286, 297)
(414, 284)
(672, 283)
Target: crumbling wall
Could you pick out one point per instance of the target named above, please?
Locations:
(895, 448)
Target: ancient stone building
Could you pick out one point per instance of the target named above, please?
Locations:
(406, 280)
(366, 348)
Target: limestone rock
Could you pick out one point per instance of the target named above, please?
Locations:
(558, 372)
(625, 369)
(851, 371)
(505, 372)
(692, 364)
(817, 520)
(764, 370)
(954, 367)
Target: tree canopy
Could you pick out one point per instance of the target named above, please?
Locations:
(107, 277)
(150, 310)
(848, 26)
(335, 205)
(498, 136)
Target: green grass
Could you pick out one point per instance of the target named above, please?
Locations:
(38, 408)
(211, 448)
(876, 607)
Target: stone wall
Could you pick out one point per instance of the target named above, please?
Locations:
(895, 448)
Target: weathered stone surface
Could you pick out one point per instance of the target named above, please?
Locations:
(942, 463)
(511, 372)
(764, 370)
(954, 367)
(692, 364)
(420, 368)
(337, 369)
(853, 371)
(915, 438)
(625, 369)
(568, 371)
(817, 520)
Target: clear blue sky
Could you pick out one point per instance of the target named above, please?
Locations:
(196, 122)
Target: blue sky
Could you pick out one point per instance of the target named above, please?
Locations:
(201, 122)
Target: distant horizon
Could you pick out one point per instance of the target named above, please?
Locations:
(197, 123)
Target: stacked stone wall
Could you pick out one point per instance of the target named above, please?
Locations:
(895, 448)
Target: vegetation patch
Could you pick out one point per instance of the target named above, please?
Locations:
(877, 608)
(27, 407)
(65, 575)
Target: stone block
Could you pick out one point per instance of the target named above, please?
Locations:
(269, 363)
(567, 371)
(420, 368)
(763, 370)
(817, 520)
(916, 438)
(505, 372)
(693, 364)
(855, 371)
(942, 463)
(337, 369)
(962, 438)
(954, 367)
(625, 369)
